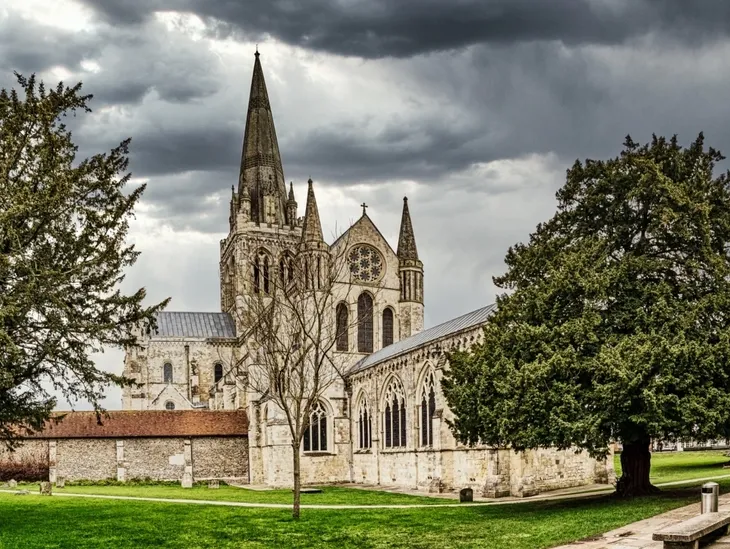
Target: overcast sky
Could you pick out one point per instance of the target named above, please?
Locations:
(474, 109)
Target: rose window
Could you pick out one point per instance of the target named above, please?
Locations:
(366, 263)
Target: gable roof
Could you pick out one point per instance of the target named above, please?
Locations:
(364, 218)
(458, 324)
(147, 423)
(202, 325)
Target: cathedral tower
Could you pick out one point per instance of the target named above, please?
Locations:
(410, 269)
(313, 251)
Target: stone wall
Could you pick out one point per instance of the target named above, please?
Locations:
(158, 458)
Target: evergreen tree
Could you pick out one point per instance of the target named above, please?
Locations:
(615, 326)
(63, 225)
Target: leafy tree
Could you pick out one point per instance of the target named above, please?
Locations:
(63, 225)
(616, 324)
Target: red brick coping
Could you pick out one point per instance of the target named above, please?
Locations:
(147, 423)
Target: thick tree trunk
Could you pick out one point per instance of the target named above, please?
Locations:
(635, 467)
(297, 484)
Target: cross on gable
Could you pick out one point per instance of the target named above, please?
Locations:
(363, 207)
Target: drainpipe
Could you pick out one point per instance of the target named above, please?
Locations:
(187, 369)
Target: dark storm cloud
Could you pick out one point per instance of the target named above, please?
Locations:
(382, 28)
(27, 46)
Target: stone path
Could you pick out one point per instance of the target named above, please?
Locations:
(575, 493)
(638, 535)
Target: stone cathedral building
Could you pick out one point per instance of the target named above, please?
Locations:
(385, 422)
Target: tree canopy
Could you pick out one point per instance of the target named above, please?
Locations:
(614, 325)
(63, 251)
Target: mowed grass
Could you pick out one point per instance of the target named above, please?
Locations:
(330, 495)
(674, 466)
(32, 521)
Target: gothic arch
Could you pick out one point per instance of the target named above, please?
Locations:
(285, 269)
(262, 270)
(426, 400)
(387, 326)
(342, 326)
(394, 414)
(364, 416)
(318, 435)
(365, 322)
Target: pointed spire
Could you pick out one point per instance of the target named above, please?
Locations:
(291, 191)
(312, 229)
(407, 240)
(261, 168)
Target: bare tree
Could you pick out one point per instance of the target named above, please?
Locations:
(290, 336)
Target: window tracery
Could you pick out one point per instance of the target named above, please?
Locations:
(366, 263)
(395, 415)
(315, 436)
(365, 426)
(428, 409)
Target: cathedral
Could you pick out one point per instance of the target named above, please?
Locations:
(384, 421)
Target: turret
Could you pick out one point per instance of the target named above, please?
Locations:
(291, 207)
(313, 251)
(410, 270)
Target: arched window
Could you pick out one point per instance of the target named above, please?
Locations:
(261, 278)
(428, 409)
(218, 373)
(395, 416)
(169, 405)
(342, 327)
(387, 327)
(365, 425)
(364, 323)
(167, 372)
(315, 437)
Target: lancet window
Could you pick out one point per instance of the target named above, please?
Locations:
(218, 372)
(387, 327)
(342, 326)
(365, 323)
(167, 372)
(428, 409)
(395, 415)
(261, 273)
(365, 426)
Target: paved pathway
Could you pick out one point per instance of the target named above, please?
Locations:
(638, 535)
(577, 493)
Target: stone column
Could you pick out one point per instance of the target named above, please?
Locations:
(187, 478)
(52, 460)
(121, 468)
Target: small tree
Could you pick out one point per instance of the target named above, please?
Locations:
(291, 337)
(617, 326)
(63, 225)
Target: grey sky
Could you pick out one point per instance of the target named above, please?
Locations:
(474, 109)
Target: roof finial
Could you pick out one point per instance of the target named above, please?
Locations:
(257, 50)
(363, 207)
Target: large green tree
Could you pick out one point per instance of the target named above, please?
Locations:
(614, 325)
(63, 224)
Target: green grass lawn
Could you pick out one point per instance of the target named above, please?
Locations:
(329, 495)
(32, 522)
(673, 466)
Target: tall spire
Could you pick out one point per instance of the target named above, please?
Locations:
(261, 169)
(407, 240)
(312, 227)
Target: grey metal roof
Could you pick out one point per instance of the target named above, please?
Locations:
(458, 324)
(203, 325)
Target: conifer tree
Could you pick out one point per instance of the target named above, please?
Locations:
(616, 324)
(63, 224)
